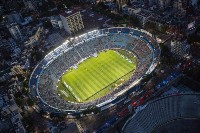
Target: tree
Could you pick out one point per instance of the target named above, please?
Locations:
(193, 38)
(134, 20)
(47, 24)
(163, 28)
(30, 102)
(164, 49)
(19, 101)
(150, 25)
(28, 121)
(25, 91)
(196, 73)
(100, 7)
(25, 83)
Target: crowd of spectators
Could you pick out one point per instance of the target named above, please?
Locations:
(44, 79)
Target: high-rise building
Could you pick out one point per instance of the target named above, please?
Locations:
(72, 21)
(179, 48)
(15, 32)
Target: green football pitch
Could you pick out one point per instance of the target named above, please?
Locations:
(97, 76)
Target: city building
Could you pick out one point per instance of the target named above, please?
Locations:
(56, 22)
(14, 17)
(179, 48)
(30, 4)
(11, 115)
(35, 38)
(54, 39)
(180, 5)
(17, 70)
(151, 2)
(1, 9)
(72, 21)
(15, 32)
(121, 3)
(162, 4)
(142, 14)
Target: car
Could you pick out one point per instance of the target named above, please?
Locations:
(134, 104)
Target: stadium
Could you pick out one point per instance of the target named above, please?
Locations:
(99, 69)
(174, 114)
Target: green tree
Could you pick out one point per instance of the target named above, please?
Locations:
(100, 7)
(150, 25)
(163, 28)
(47, 24)
(30, 102)
(25, 91)
(164, 50)
(134, 20)
(19, 101)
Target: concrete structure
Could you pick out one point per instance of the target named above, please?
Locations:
(163, 3)
(72, 21)
(15, 32)
(54, 39)
(121, 3)
(180, 5)
(179, 48)
(142, 14)
(56, 22)
(30, 4)
(81, 47)
(12, 119)
(36, 37)
(14, 18)
(17, 70)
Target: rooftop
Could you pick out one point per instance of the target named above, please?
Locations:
(69, 12)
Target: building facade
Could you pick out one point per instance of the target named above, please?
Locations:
(72, 22)
(15, 32)
(56, 22)
(179, 48)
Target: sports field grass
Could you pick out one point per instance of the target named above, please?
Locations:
(96, 76)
